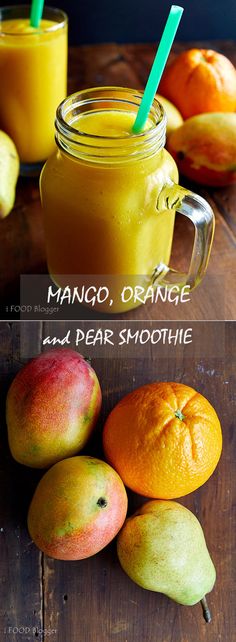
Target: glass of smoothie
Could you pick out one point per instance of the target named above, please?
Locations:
(33, 79)
(109, 198)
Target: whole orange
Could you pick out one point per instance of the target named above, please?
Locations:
(200, 81)
(164, 440)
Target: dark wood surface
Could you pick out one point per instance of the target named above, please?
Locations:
(93, 600)
(21, 234)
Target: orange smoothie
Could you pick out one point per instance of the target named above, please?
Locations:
(100, 212)
(33, 72)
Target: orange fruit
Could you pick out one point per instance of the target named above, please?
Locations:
(200, 81)
(164, 440)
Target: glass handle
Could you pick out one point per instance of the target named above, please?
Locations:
(201, 215)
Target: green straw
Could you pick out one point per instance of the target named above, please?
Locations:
(158, 66)
(36, 12)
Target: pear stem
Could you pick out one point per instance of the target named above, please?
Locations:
(206, 610)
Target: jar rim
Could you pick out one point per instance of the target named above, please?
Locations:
(26, 8)
(66, 127)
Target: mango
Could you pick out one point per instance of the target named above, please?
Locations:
(204, 148)
(78, 507)
(174, 118)
(9, 172)
(52, 407)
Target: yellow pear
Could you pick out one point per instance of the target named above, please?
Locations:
(174, 118)
(9, 171)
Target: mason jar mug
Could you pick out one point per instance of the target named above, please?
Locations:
(109, 197)
(33, 73)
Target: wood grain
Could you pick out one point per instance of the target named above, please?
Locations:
(21, 563)
(21, 234)
(93, 600)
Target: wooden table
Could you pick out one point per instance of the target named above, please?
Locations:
(21, 234)
(93, 600)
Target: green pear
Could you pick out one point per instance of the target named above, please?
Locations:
(9, 171)
(162, 548)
